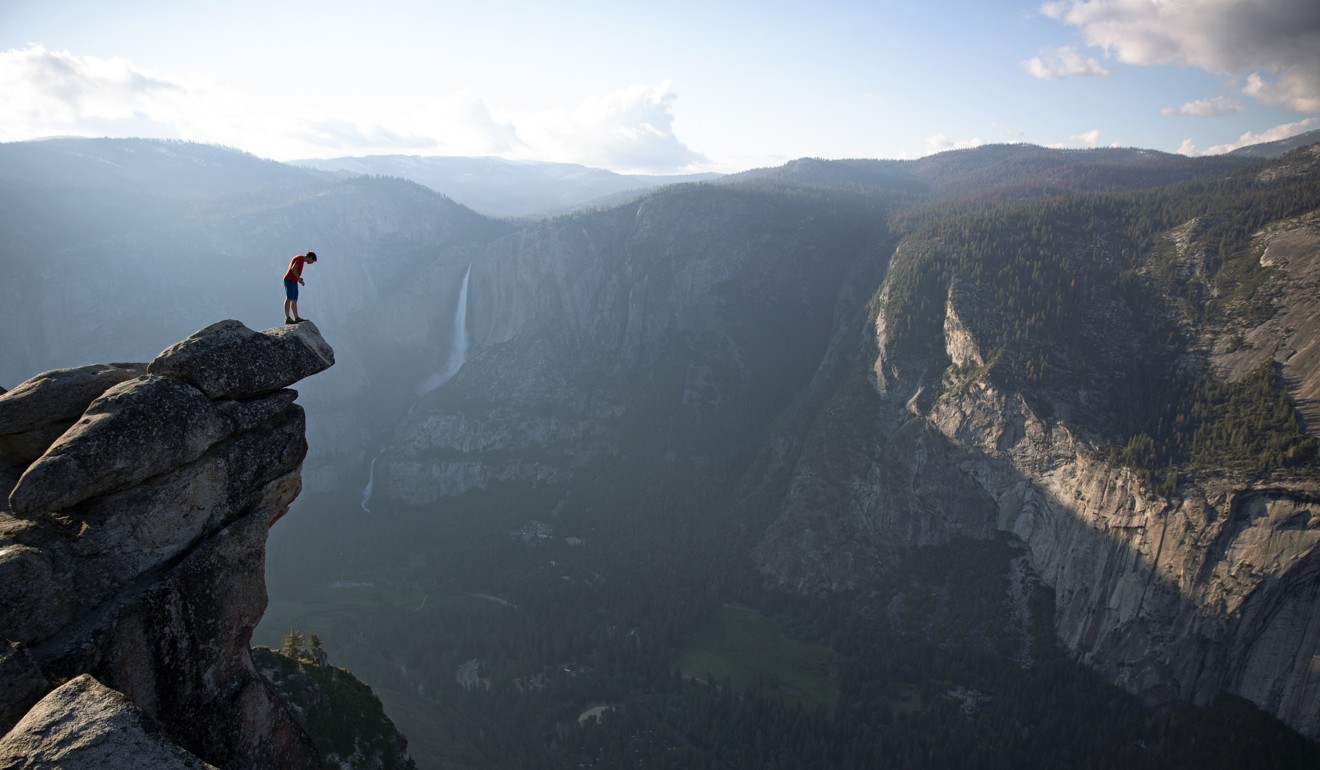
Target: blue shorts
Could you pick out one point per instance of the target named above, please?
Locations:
(290, 289)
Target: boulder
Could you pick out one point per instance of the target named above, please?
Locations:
(40, 409)
(84, 724)
(133, 431)
(229, 360)
(54, 570)
(136, 430)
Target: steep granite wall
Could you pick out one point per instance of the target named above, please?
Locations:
(1175, 594)
(137, 499)
(1175, 598)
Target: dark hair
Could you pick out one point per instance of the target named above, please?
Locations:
(311, 255)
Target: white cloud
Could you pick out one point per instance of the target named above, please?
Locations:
(1272, 45)
(344, 135)
(59, 93)
(1296, 90)
(1206, 108)
(53, 92)
(1249, 138)
(1090, 138)
(940, 143)
(464, 124)
(631, 129)
(1062, 63)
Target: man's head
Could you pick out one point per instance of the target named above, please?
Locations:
(310, 256)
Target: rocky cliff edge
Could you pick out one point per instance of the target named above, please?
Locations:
(134, 505)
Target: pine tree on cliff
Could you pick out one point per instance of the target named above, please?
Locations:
(293, 645)
(317, 651)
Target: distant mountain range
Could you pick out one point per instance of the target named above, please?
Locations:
(506, 188)
(1088, 376)
(531, 189)
(1281, 147)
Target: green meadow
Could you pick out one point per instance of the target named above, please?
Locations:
(742, 646)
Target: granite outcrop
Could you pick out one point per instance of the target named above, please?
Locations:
(132, 552)
(1175, 591)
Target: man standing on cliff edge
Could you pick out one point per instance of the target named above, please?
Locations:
(293, 279)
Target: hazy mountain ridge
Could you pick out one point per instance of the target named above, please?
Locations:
(505, 188)
(130, 266)
(828, 364)
(996, 175)
(149, 166)
(1280, 147)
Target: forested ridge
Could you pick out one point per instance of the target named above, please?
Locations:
(1047, 285)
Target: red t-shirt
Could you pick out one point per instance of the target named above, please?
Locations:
(295, 268)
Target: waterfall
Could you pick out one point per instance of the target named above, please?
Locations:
(457, 356)
(457, 349)
(371, 482)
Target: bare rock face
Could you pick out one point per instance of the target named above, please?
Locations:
(22, 680)
(1177, 596)
(132, 550)
(133, 431)
(229, 360)
(1175, 599)
(1291, 337)
(84, 724)
(39, 410)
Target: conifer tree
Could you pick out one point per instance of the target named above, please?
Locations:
(317, 651)
(293, 645)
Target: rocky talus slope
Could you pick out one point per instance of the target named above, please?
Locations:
(137, 498)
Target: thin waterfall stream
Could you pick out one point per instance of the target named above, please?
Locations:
(458, 350)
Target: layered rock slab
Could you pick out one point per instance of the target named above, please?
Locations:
(137, 552)
(229, 360)
(37, 411)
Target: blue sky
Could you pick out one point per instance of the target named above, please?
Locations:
(661, 87)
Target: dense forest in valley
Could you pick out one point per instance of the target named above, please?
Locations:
(630, 644)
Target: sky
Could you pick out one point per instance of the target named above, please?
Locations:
(661, 87)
